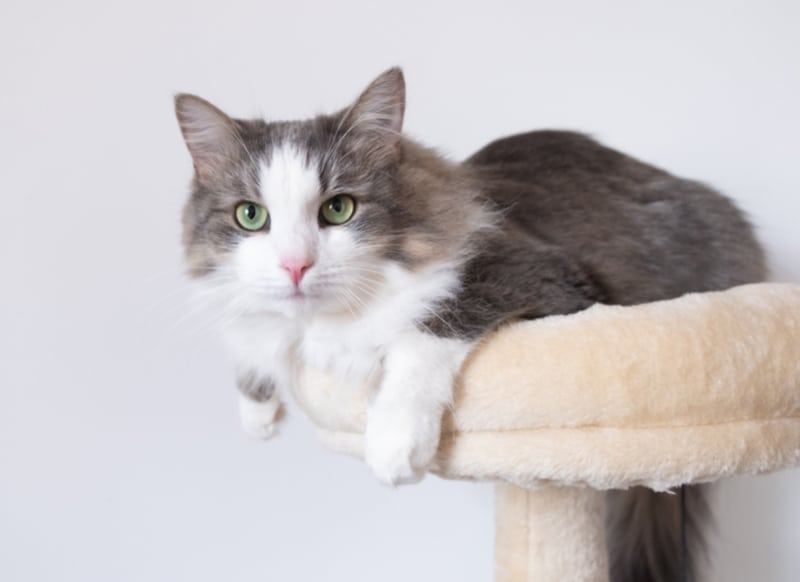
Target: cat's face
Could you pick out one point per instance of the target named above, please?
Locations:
(295, 217)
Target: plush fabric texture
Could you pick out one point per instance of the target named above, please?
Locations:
(551, 534)
(681, 391)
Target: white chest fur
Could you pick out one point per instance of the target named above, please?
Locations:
(382, 346)
(350, 346)
(353, 348)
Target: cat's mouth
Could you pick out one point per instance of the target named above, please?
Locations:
(290, 296)
(298, 295)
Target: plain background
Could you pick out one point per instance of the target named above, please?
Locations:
(120, 453)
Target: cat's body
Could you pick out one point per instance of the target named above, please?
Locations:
(381, 262)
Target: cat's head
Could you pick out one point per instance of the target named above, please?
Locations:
(304, 215)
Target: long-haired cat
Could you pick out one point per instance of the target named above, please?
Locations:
(337, 242)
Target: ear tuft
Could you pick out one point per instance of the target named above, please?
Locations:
(210, 135)
(381, 106)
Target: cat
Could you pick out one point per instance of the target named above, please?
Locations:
(339, 243)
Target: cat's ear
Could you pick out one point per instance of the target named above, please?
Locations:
(210, 135)
(380, 108)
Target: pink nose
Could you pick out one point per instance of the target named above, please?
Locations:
(296, 267)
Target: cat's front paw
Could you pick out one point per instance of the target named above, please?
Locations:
(259, 419)
(397, 450)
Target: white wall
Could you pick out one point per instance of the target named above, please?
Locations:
(120, 454)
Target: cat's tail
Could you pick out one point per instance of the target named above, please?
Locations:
(646, 533)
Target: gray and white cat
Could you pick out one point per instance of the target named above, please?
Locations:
(341, 244)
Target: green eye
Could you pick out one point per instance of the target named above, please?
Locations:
(338, 209)
(251, 216)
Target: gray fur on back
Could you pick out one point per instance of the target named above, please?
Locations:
(582, 223)
(620, 232)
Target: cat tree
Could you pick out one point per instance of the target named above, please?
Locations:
(557, 410)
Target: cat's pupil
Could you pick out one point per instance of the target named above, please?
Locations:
(251, 212)
(336, 205)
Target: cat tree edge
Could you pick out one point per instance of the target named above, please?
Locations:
(661, 394)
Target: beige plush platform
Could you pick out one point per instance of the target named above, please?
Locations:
(662, 394)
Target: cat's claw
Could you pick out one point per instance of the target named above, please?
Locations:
(259, 419)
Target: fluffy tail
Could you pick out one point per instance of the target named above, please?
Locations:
(645, 535)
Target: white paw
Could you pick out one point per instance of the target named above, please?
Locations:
(399, 451)
(259, 419)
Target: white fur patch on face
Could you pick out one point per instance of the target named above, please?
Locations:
(341, 271)
(291, 189)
